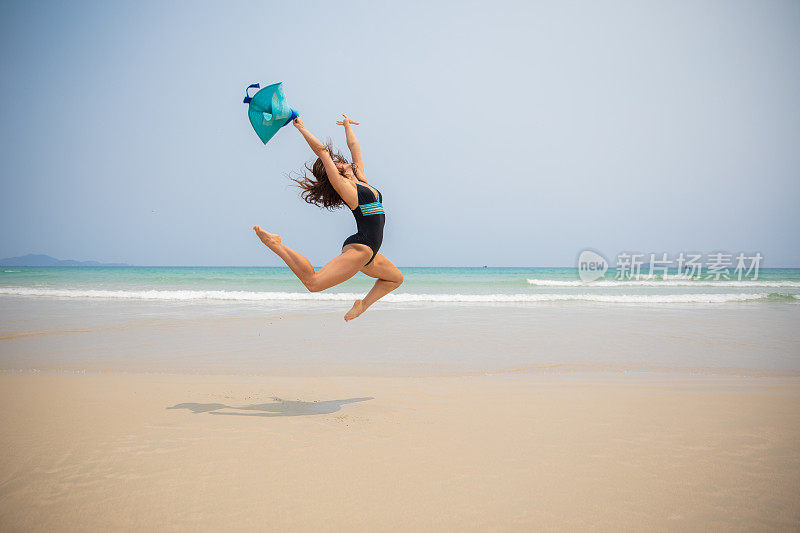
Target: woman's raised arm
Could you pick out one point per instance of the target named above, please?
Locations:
(346, 191)
(355, 149)
(316, 146)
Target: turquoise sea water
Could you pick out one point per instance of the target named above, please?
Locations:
(441, 320)
(430, 284)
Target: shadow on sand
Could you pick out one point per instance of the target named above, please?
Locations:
(277, 408)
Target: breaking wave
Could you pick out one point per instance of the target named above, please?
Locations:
(249, 296)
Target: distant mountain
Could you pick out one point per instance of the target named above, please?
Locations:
(39, 260)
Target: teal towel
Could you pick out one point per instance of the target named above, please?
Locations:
(268, 110)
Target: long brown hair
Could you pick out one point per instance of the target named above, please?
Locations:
(319, 191)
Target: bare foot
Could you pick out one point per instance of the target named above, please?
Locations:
(357, 309)
(270, 239)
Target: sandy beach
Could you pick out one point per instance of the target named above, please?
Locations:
(506, 452)
(150, 416)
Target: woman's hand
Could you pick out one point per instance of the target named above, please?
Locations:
(298, 123)
(346, 120)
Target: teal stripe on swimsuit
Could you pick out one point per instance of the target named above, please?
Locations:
(374, 208)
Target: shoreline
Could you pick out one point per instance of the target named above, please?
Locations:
(101, 336)
(643, 374)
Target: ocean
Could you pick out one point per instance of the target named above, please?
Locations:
(463, 285)
(261, 320)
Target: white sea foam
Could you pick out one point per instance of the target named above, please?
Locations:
(664, 283)
(248, 296)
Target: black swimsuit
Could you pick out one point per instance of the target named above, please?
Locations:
(370, 219)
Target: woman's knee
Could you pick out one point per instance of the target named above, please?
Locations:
(397, 280)
(313, 284)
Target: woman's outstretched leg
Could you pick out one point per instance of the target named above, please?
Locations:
(294, 260)
(389, 278)
(338, 269)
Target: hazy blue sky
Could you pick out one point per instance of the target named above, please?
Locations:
(500, 133)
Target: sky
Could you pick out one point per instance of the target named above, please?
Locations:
(499, 133)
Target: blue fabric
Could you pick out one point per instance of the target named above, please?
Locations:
(247, 96)
(268, 111)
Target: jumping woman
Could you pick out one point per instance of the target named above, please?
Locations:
(337, 182)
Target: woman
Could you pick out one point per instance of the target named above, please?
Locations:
(338, 183)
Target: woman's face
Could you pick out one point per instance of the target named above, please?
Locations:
(345, 168)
